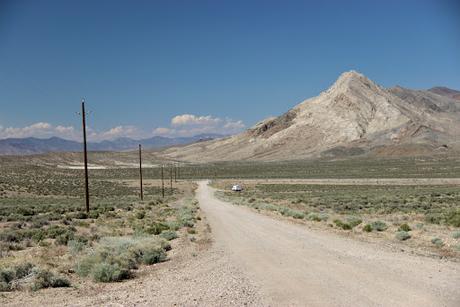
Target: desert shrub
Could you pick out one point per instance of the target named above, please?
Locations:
(354, 221)
(10, 277)
(153, 255)
(93, 214)
(367, 228)
(38, 235)
(437, 242)
(268, 207)
(24, 211)
(140, 215)
(6, 275)
(109, 272)
(75, 246)
(114, 257)
(4, 287)
(251, 200)
(60, 282)
(186, 217)
(168, 235)
(54, 216)
(402, 235)
(39, 223)
(173, 225)
(11, 236)
(456, 235)
(22, 270)
(54, 231)
(379, 226)
(47, 279)
(291, 212)
(404, 227)
(156, 228)
(80, 215)
(453, 218)
(313, 217)
(340, 224)
(433, 218)
(64, 238)
(86, 263)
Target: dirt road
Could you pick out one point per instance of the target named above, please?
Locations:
(293, 265)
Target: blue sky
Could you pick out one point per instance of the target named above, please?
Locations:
(142, 65)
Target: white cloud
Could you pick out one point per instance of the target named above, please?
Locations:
(162, 131)
(193, 120)
(40, 129)
(189, 125)
(46, 130)
(118, 132)
(181, 125)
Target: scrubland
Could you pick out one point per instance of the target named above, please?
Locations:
(47, 239)
(425, 217)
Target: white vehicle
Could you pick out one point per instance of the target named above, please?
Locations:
(237, 188)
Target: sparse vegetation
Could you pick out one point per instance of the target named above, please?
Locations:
(113, 258)
(46, 279)
(367, 228)
(340, 224)
(169, 235)
(26, 275)
(404, 227)
(379, 226)
(42, 208)
(437, 242)
(456, 235)
(417, 211)
(403, 235)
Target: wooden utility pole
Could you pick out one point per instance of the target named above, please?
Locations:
(175, 172)
(140, 171)
(85, 154)
(170, 178)
(162, 182)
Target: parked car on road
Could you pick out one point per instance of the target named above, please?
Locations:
(237, 188)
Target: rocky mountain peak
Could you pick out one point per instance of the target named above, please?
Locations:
(353, 81)
(354, 115)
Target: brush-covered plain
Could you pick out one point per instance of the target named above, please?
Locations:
(414, 214)
(47, 239)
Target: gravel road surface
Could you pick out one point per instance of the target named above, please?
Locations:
(293, 265)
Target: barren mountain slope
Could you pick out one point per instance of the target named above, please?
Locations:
(354, 116)
(445, 91)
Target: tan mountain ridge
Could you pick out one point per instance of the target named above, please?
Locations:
(355, 116)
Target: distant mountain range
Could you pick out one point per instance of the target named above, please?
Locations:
(27, 146)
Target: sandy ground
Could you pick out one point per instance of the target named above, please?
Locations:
(296, 266)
